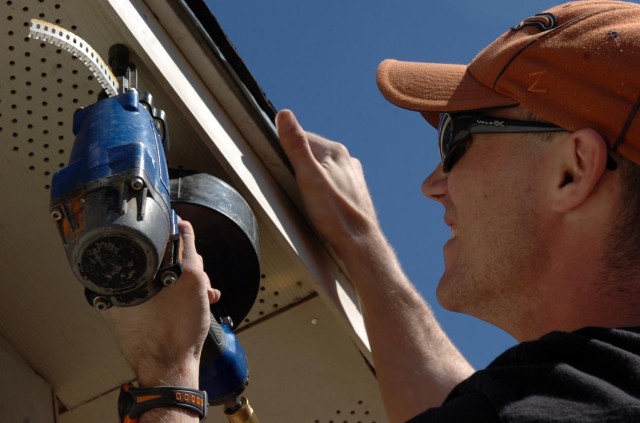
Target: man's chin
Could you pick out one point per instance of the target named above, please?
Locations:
(447, 295)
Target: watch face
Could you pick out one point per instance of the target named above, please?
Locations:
(125, 402)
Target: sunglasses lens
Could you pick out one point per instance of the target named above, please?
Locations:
(445, 138)
(444, 135)
(453, 142)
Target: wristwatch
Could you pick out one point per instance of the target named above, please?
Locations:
(135, 401)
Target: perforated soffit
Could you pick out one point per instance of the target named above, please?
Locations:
(42, 86)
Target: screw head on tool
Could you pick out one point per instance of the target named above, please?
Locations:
(168, 278)
(101, 303)
(56, 214)
(227, 320)
(137, 183)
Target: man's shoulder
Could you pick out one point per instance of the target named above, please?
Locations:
(622, 343)
(471, 407)
(590, 375)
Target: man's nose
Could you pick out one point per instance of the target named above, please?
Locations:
(435, 186)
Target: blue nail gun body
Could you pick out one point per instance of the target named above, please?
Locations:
(112, 207)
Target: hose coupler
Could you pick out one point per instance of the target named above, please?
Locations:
(241, 414)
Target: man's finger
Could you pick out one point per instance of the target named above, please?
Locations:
(188, 237)
(294, 141)
(214, 295)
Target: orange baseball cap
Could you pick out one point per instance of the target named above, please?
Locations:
(576, 65)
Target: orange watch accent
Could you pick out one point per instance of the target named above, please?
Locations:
(133, 401)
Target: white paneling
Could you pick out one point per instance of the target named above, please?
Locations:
(24, 396)
(296, 366)
(303, 368)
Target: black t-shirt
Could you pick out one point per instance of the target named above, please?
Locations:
(591, 375)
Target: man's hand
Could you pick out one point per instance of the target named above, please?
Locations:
(332, 184)
(399, 323)
(162, 338)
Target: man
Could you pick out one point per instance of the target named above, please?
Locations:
(540, 146)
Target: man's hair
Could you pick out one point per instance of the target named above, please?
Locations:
(623, 259)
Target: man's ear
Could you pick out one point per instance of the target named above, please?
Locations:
(579, 164)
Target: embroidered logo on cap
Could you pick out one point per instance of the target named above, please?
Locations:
(535, 86)
(544, 22)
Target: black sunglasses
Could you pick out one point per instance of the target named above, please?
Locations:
(454, 132)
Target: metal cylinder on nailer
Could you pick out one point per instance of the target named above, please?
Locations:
(244, 414)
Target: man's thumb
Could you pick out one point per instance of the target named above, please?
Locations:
(293, 139)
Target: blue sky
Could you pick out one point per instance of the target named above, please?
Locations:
(319, 59)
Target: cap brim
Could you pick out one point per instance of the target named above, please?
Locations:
(432, 88)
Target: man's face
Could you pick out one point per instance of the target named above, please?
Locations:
(491, 198)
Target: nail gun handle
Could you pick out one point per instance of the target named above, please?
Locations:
(215, 343)
(224, 372)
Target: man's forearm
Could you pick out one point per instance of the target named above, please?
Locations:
(416, 364)
(162, 338)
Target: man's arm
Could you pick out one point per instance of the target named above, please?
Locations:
(162, 338)
(416, 364)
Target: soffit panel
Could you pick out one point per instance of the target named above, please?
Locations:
(44, 314)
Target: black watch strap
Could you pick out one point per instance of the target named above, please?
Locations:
(135, 401)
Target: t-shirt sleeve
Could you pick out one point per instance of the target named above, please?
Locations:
(471, 407)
